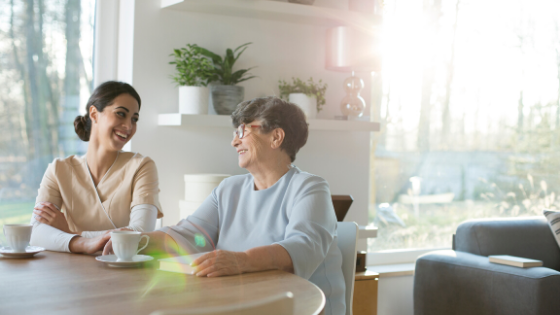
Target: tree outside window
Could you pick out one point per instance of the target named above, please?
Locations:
(46, 52)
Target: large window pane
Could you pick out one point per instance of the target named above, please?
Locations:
(45, 79)
(471, 115)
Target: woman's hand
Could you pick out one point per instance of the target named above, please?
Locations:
(221, 263)
(85, 245)
(108, 248)
(47, 213)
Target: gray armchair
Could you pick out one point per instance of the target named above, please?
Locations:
(463, 281)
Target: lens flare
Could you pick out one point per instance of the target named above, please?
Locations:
(199, 240)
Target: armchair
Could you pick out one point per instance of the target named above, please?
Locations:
(463, 281)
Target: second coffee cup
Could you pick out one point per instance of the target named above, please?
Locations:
(125, 244)
(18, 236)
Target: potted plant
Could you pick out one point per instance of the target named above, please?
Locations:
(193, 72)
(226, 94)
(309, 96)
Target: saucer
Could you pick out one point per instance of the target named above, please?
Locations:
(113, 261)
(30, 251)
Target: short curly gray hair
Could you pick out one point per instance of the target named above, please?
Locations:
(274, 113)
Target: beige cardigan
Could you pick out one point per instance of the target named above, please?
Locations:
(132, 180)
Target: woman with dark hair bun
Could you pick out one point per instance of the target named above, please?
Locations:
(82, 198)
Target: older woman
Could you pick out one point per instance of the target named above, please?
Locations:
(275, 217)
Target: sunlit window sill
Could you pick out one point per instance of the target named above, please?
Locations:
(393, 270)
(397, 257)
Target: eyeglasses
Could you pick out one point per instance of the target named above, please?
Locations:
(240, 131)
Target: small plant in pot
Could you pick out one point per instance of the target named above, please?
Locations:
(193, 72)
(309, 96)
(226, 94)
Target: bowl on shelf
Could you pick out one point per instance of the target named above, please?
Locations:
(308, 2)
(226, 97)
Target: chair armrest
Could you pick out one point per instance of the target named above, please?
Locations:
(524, 237)
(453, 282)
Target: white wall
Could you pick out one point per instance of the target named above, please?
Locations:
(280, 50)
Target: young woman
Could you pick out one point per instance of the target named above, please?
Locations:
(82, 198)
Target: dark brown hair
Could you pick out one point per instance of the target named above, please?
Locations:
(275, 113)
(103, 96)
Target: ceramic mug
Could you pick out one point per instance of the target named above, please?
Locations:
(125, 244)
(18, 236)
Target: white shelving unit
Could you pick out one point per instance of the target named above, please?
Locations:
(275, 10)
(183, 120)
(271, 10)
(367, 232)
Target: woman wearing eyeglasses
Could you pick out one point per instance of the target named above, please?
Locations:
(275, 217)
(82, 198)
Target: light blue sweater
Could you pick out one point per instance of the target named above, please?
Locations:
(296, 213)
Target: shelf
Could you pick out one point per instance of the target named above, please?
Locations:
(394, 270)
(275, 10)
(367, 232)
(183, 120)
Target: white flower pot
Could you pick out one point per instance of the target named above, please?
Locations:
(193, 100)
(308, 104)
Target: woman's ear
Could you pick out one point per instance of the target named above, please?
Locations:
(277, 138)
(93, 113)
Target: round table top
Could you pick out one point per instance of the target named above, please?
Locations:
(65, 283)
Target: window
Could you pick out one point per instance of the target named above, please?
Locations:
(470, 116)
(45, 79)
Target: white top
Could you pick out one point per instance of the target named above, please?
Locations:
(142, 219)
(296, 213)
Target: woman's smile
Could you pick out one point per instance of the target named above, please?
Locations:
(122, 136)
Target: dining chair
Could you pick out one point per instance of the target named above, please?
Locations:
(348, 244)
(280, 304)
(341, 205)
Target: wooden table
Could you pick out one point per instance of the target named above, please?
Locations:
(64, 283)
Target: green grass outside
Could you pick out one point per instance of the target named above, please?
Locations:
(436, 224)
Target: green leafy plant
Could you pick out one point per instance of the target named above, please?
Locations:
(223, 67)
(192, 68)
(309, 88)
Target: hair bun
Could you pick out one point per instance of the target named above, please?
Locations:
(82, 127)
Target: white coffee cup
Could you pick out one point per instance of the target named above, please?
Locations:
(125, 244)
(18, 236)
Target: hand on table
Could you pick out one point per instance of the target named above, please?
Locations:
(221, 263)
(108, 248)
(47, 213)
(85, 245)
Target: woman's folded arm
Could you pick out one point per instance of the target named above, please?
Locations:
(50, 238)
(142, 219)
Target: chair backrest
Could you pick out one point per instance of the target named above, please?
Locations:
(348, 244)
(280, 304)
(341, 205)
